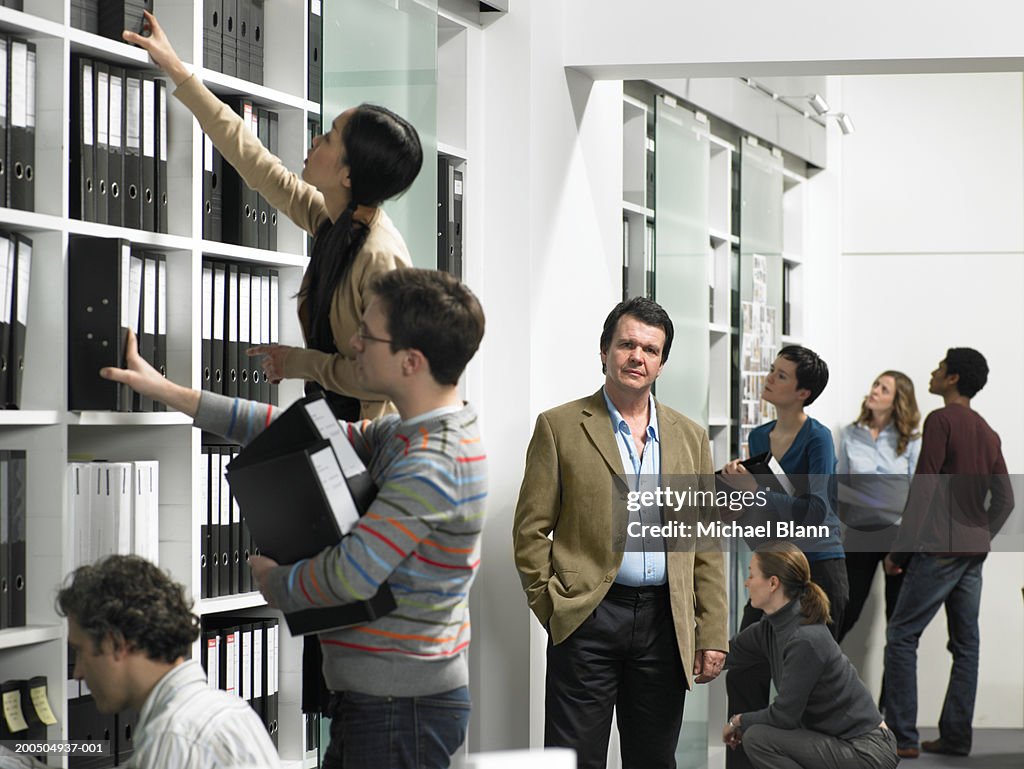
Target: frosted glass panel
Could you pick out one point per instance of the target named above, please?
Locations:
(386, 53)
(682, 162)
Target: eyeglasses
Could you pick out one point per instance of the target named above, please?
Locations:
(364, 335)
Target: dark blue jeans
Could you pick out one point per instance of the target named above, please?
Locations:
(370, 732)
(929, 582)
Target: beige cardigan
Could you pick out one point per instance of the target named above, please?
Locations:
(384, 249)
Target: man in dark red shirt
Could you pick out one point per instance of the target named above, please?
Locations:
(942, 543)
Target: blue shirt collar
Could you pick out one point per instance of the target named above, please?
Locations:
(619, 425)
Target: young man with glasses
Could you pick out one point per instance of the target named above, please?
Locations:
(399, 684)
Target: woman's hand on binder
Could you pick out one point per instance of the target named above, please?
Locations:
(154, 41)
(272, 361)
(261, 567)
(146, 380)
(739, 477)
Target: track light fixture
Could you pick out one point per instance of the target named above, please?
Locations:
(816, 100)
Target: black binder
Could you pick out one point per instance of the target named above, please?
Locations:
(208, 188)
(16, 495)
(149, 152)
(160, 350)
(115, 16)
(226, 545)
(204, 525)
(303, 462)
(274, 306)
(101, 154)
(231, 333)
(5, 113)
(219, 295)
(20, 269)
(213, 17)
(131, 400)
(256, 376)
(271, 211)
(115, 146)
(760, 466)
(131, 192)
(262, 274)
(244, 331)
(229, 38)
(147, 319)
(243, 55)
(162, 212)
(206, 324)
(256, 42)
(98, 319)
(315, 52)
(21, 131)
(83, 130)
(8, 247)
(262, 207)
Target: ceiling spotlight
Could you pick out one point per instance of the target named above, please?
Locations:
(845, 123)
(818, 104)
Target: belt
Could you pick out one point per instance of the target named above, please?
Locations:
(627, 591)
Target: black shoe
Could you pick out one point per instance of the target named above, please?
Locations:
(939, 746)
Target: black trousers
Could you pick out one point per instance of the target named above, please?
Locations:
(749, 689)
(624, 656)
(860, 573)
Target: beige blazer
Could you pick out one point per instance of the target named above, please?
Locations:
(571, 468)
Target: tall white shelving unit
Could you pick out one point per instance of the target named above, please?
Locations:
(44, 428)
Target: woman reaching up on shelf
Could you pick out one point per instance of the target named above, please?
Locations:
(368, 155)
(823, 716)
(877, 458)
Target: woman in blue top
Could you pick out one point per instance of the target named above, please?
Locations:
(803, 447)
(877, 457)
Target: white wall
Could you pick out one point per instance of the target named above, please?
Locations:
(548, 272)
(933, 257)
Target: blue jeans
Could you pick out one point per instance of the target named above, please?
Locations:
(369, 732)
(929, 582)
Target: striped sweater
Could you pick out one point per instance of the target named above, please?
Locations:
(421, 535)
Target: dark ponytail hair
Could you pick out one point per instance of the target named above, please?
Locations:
(788, 564)
(384, 156)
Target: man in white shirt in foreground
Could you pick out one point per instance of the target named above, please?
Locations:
(130, 627)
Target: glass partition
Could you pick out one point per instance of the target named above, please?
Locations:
(385, 52)
(682, 253)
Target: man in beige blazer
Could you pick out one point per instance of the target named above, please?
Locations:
(630, 630)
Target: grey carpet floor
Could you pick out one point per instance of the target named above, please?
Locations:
(993, 749)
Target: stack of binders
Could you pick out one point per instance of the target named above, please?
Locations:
(26, 711)
(119, 146)
(13, 529)
(85, 15)
(303, 462)
(232, 211)
(17, 122)
(111, 290)
(15, 282)
(225, 541)
(239, 309)
(114, 509)
(240, 656)
(233, 38)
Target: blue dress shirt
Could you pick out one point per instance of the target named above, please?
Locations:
(646, 566)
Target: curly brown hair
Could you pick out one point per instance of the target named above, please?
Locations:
(906, 416)
(133, 602)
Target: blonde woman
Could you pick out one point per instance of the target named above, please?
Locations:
(877, 457)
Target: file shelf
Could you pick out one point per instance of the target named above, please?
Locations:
(43, 426)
